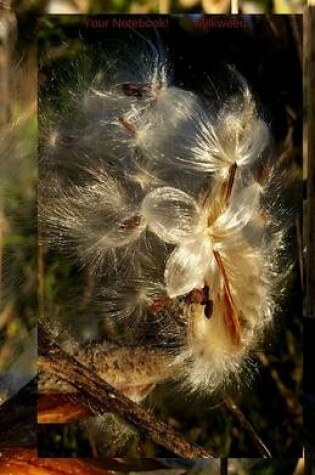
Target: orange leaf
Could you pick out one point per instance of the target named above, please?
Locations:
(18, 461)
(59, 408)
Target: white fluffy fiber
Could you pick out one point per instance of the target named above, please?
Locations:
(164, 198)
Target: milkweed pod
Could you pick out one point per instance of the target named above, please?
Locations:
(171, 214)
(187, 266)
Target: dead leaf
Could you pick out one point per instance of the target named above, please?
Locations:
(16, 461)
(58, 408)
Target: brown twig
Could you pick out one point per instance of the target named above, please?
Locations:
(233, 409)
(297, 36)
(102, 397)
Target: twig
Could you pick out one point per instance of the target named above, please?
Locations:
(297, 36)
(102, 397)
(246, 425)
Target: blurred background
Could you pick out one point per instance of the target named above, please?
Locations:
(18, 235)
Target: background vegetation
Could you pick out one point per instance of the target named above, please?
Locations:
(18, 239)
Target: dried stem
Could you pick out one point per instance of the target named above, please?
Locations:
(102, 397)
(231, 407)
(297, 35)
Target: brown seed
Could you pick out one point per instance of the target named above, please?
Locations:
(159, 304)
(132, 89)
(209, 309)
(130, 222)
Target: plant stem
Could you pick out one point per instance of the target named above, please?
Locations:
(101, 397)
(246, 425)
